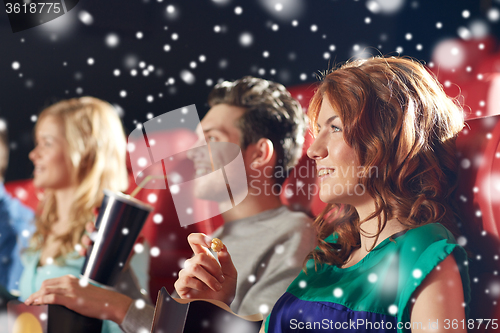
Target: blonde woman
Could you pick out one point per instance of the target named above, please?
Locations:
(79, 150)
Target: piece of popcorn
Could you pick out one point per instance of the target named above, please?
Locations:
(217, 245)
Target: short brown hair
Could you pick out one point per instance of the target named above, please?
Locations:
(271, 113)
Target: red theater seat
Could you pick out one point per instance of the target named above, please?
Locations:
(24, 191)
(473, 78)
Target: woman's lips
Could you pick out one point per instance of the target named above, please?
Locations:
(38, 170)
(325, 172)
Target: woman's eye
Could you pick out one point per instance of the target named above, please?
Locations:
(212, 139)
(335, 128)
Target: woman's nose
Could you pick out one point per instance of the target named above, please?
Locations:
(33, 154)
(318, 149)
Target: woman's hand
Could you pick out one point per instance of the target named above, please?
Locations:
(84, 298)
(86, 241)
(203, 277)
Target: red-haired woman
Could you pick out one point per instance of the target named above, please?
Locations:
(386, 261)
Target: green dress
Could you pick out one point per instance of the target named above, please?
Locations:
(375, 294)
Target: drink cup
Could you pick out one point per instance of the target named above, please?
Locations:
(120, 220)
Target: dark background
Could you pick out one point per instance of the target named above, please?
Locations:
(53, 57)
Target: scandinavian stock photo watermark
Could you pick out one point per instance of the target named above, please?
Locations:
(345, 181)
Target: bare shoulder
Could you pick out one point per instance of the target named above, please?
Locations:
(439, 298)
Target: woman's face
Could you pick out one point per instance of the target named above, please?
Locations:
(50, 157)
(336, 162)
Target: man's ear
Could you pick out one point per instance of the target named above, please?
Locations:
(263, 152)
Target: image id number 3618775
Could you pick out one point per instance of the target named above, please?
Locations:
(470, 324)
(33, 8)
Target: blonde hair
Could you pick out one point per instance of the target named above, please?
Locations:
(97, 151)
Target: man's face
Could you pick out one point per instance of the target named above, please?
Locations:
(218, 126)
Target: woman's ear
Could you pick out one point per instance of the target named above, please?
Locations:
(263, 152)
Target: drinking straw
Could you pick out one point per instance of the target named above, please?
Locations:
(144, 182)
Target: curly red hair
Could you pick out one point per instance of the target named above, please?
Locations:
(397, 118)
